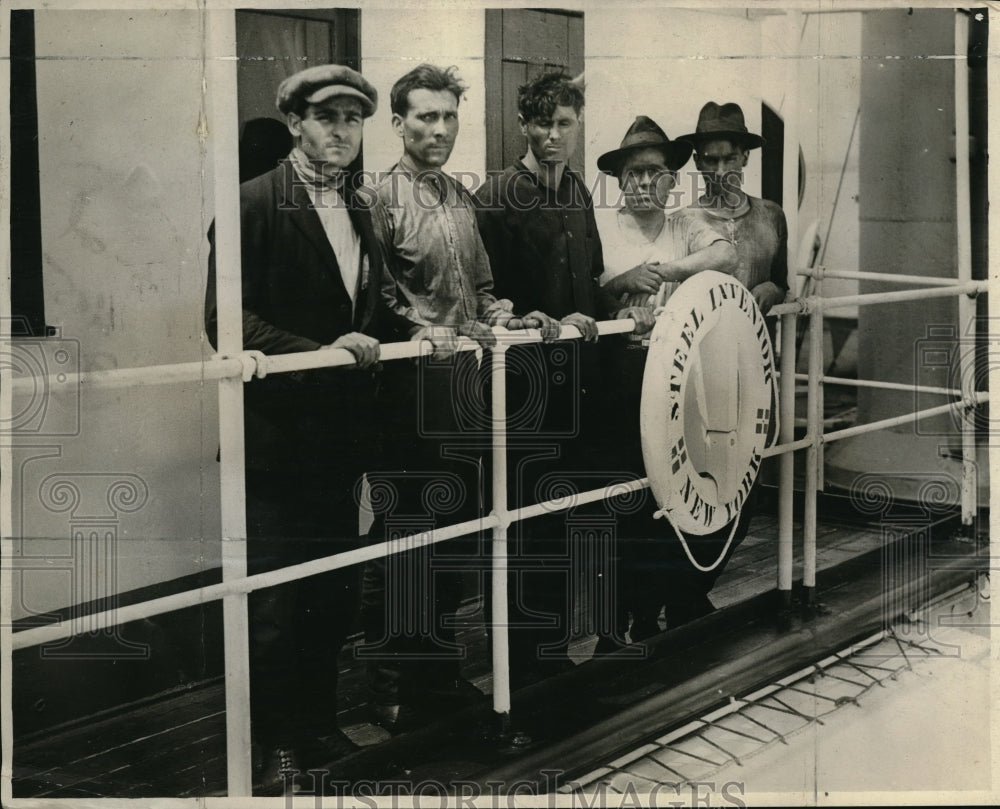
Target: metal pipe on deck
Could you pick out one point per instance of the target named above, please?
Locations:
(500, 621)
(963, 222)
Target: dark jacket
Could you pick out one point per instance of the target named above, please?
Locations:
(294, 299)
(543, 244)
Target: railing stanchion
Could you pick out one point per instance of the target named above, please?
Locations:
(786, 478)
(501, 645)
(966, 307)
(814, 427)
(221, 70)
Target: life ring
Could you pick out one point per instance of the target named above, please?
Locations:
(708, 392)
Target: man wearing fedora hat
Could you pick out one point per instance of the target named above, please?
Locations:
(647, 253)
(758, 232)
(755, 226)
(311, 279)
(644, 247)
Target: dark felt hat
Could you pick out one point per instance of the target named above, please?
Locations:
(645, 134)
(723, 122)
(316, 84)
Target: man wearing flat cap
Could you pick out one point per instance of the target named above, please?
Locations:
(311, 276)
(647, 253)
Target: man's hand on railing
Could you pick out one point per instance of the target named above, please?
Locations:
(587, 326)
(767, 295)
(364, 348)
(479, 332)
(642, 315)
(443, 338)
(548, 326)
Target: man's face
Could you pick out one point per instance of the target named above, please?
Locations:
(721, 163)
(645, 180)
(429, 127)
(552, 140)
(330, 132)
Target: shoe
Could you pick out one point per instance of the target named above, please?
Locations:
(386, 716)
(333, 747)
(643, 628)
(281, 765)
(453, 695)
(524, 676)
(690, 610)
(608, 644)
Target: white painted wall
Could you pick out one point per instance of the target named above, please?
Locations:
(829, 97)
(667, 64)
(126, 201)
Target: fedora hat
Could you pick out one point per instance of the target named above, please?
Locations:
(645, 134)
(723, 122)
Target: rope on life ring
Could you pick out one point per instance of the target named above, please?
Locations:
(662, 513)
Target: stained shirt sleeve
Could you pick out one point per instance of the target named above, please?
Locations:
(698, 233)
(385, 232)
(779, 265)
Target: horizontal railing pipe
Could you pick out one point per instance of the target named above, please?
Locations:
(252, 363)
(872, 298)
(212, 592)
(874, 383)
(782, 449)
(577, 499)
(886, 277)
(906, 418)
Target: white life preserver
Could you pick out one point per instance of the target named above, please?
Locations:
(708, 391)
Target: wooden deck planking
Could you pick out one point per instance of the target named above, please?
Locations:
(149, 752)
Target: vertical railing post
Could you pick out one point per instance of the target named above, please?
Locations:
(966, 306)
(6, 449)
(786, 477)
(501, 641)
(222, 127)
(790, 205)
(814, 430)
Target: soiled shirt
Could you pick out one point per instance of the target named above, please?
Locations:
(439, 272)
(626, 247)
(760, 236)
(543, 243)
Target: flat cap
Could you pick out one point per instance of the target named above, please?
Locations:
(316, 84)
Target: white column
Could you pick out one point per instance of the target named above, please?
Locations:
(223, 132)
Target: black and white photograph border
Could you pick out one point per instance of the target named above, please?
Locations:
(838, 649)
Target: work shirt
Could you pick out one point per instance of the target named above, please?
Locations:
(625, 246)
(543, 243)
(439, 272)
(759, 234)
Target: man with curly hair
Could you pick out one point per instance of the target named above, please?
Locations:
(537, 222)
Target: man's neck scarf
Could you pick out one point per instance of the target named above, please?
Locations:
(311, 176)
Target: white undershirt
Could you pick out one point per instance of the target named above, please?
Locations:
(340, 232)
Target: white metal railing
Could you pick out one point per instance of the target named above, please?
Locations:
(234, 370)
(233, 367)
